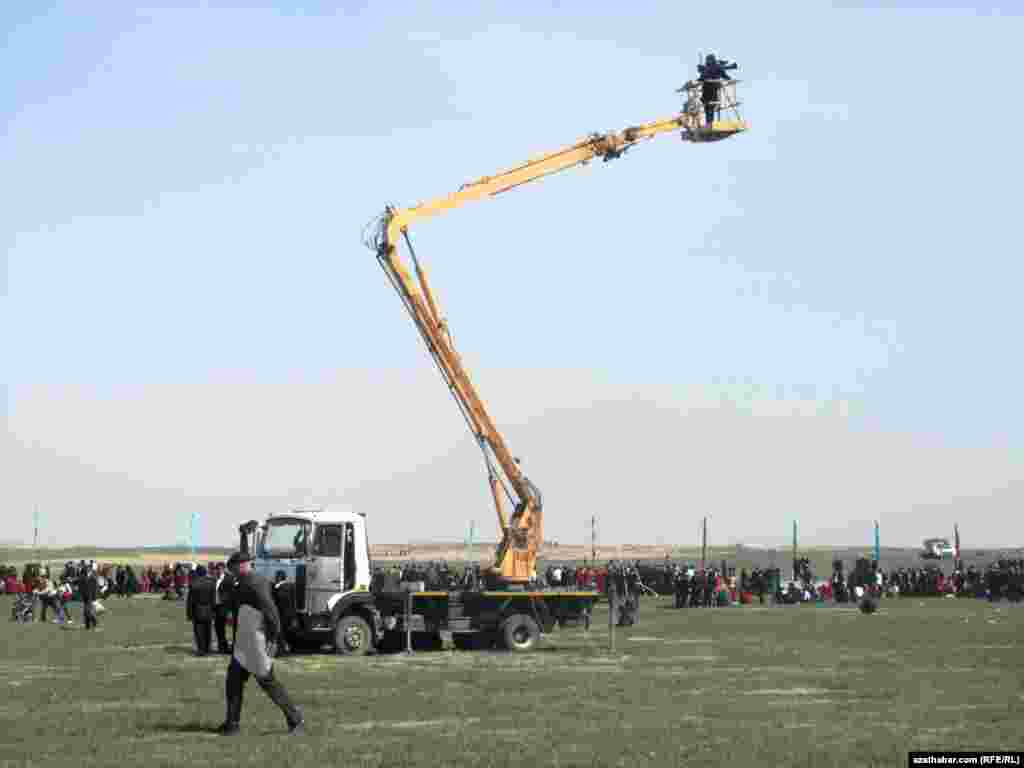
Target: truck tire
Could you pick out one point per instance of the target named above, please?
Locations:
(352, 636)
(520, 633)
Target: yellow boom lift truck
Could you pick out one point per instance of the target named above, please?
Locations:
(326, 553)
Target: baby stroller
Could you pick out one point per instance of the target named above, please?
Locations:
(24, 609)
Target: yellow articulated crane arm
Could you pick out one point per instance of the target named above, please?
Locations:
(522, 533)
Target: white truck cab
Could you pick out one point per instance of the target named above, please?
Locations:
(323, 554)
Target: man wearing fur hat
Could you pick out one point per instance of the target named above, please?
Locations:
(257, 623)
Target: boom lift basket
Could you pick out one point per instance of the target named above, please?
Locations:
(727, 120)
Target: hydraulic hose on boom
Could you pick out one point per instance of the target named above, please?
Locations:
(521, 533)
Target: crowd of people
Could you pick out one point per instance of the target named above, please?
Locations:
(38, 587)
(570, 576)
(1002, 579)
(437, 574)
(43, 590)
(712, 585)
(690, 586)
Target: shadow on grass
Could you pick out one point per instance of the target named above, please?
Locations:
(193, 728)
(190, 727)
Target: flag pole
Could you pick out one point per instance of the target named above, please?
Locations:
(704, 544)
(794, 551)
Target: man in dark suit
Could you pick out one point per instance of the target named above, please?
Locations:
(221, 596)
(199, 609)
(89, 593)
(258, 625)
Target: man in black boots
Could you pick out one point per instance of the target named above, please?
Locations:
(257, 623)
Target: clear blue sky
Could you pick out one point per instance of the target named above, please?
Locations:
(819, 319)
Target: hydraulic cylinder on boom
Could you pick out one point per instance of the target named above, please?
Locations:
(521, 532)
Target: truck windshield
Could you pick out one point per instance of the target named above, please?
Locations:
(286, 538)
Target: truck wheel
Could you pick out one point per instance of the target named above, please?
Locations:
(520, 633)
(352, 636)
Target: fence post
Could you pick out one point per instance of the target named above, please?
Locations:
(611, 620)
(408, 622)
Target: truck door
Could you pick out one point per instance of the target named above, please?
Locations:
(349, 571)
(324, 573)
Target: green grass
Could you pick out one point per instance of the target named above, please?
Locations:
(786, 686)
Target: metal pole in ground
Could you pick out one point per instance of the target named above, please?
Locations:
(408, 622)
(704, 544)
(611, 618)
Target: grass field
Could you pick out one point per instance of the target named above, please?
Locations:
(751, 686)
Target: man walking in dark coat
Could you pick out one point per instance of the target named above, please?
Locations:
(199, 609)
(257, 624)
